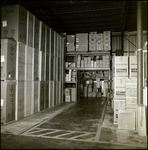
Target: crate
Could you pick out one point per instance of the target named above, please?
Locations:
(126, 119)
(20, 94)
(8, 102)
(8, 59)
(20, 61)
(30, 29)
(14, 24)
(28, 99)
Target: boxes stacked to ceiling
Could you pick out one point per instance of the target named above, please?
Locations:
(125, 91)
(82, 42)
(120, 74)
(32, 55)
(70, 43)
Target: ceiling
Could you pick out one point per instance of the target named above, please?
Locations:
(73, 17)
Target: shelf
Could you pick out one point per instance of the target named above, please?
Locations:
(70, 81)
(87, 53)
(88, 68)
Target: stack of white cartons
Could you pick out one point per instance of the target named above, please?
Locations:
(104, 88)
(70, 43)
(107, 40)
(82, 42)
(120, 69)
(85, 62)
(126, 118)
(92, 41)
(88, 62)
(99, 41)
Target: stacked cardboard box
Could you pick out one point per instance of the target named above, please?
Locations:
(70, 94)
(100, 41)
(107, 40)
(70, 43)
(71, 76)
(92, 41)
(82, 42)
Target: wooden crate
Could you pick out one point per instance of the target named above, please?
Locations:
(20, 93)
(28, 99)
(35, 89)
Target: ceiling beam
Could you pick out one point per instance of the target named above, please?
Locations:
(127, 6)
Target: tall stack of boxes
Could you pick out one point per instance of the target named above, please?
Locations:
(120, 74)
(70, 43)
(82, 42)
(70, 94)
(125, 91)
(31, 57)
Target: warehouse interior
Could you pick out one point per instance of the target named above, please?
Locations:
(87, 56)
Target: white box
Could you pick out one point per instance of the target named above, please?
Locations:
(120, 66)
(119, 93)
(131, 100)
(131, 92)
(67, 98)
(119, 82)
(119, 104)
(126, 119)
(133, 66)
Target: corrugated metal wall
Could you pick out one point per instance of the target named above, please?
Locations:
(129, 41)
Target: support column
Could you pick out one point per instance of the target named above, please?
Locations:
(139, 54)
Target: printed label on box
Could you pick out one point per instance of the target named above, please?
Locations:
(2, 58)
(4, 23)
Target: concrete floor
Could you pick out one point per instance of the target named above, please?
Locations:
(87, 124)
